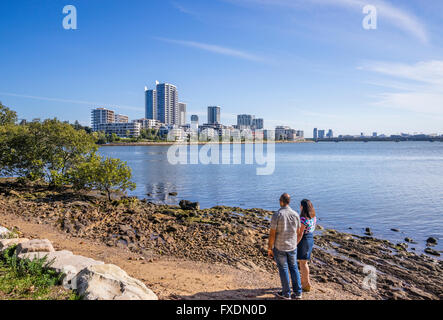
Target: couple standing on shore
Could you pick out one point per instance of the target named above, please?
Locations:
(291, 240)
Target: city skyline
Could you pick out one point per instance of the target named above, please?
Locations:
(297, 68)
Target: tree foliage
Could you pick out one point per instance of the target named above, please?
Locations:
(104, 174)
(43, 150)
(7, 116)
(58, 153)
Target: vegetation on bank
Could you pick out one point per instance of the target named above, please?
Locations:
(58, 154)
(22, 279)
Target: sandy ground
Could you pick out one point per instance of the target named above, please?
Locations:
(172, 278)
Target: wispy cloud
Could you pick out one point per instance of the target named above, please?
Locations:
(216, 49)
(89, 103)
(182, 9)
(398, 17)
(421, 87)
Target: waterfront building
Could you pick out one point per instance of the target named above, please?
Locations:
(208, 133)
(213, 114)
(374, 134)
(130, 129)
(176, 133)
(181, 113)
(321, 134)
(167, 104)
(194, 122)
(258, 123)
(330, 134)
(119, 118)
(269, 134)
(148, 123)
(150, 104)
(315, 134)
(100, 116)
(245, 120)
(287, 133)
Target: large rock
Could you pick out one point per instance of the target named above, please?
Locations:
(3, 232)
(188, 205)
(36, 245)
(109, 282)
(63, 262)
(6, 243)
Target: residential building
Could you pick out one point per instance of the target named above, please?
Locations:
(194, 122)
(330, 134)
(286, 133)
(167, 104)
(321, 134)
(258, 123)
(213, 114)
(150, 104)
(181, 113)
(119, 118)
(315, 134)
(148, 123)
(245, 120)
(100, 116)
(130, 129)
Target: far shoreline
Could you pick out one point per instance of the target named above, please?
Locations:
(127, 144)
(163, 143)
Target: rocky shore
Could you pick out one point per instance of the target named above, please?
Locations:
(232, 236)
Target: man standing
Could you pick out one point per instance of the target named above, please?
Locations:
(283, 247)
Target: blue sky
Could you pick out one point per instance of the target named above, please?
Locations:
(302, 63)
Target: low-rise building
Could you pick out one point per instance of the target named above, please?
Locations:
(130, 129)
(148, 123)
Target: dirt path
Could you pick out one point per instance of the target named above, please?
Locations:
(173, 278)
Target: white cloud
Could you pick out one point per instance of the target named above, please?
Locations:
(420, 89)
(400, 18)
(182, 9)
(216, 49)
(430, 72)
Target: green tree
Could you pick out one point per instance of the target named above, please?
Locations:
(43, 150)
(104, 174)
(7, 116)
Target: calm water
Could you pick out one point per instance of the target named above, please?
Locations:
(381, 185)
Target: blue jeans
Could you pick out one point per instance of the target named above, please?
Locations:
(285, 261)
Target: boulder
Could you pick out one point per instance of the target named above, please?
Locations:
(188, 205)
(36, 245)
(3, 231)
(63, 262)
(6, 243)
(431, 241)
(109, 282)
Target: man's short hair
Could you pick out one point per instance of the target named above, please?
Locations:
(285, 198)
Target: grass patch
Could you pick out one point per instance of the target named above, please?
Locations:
(23, 279)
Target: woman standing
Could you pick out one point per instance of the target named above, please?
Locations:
(306, 241)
